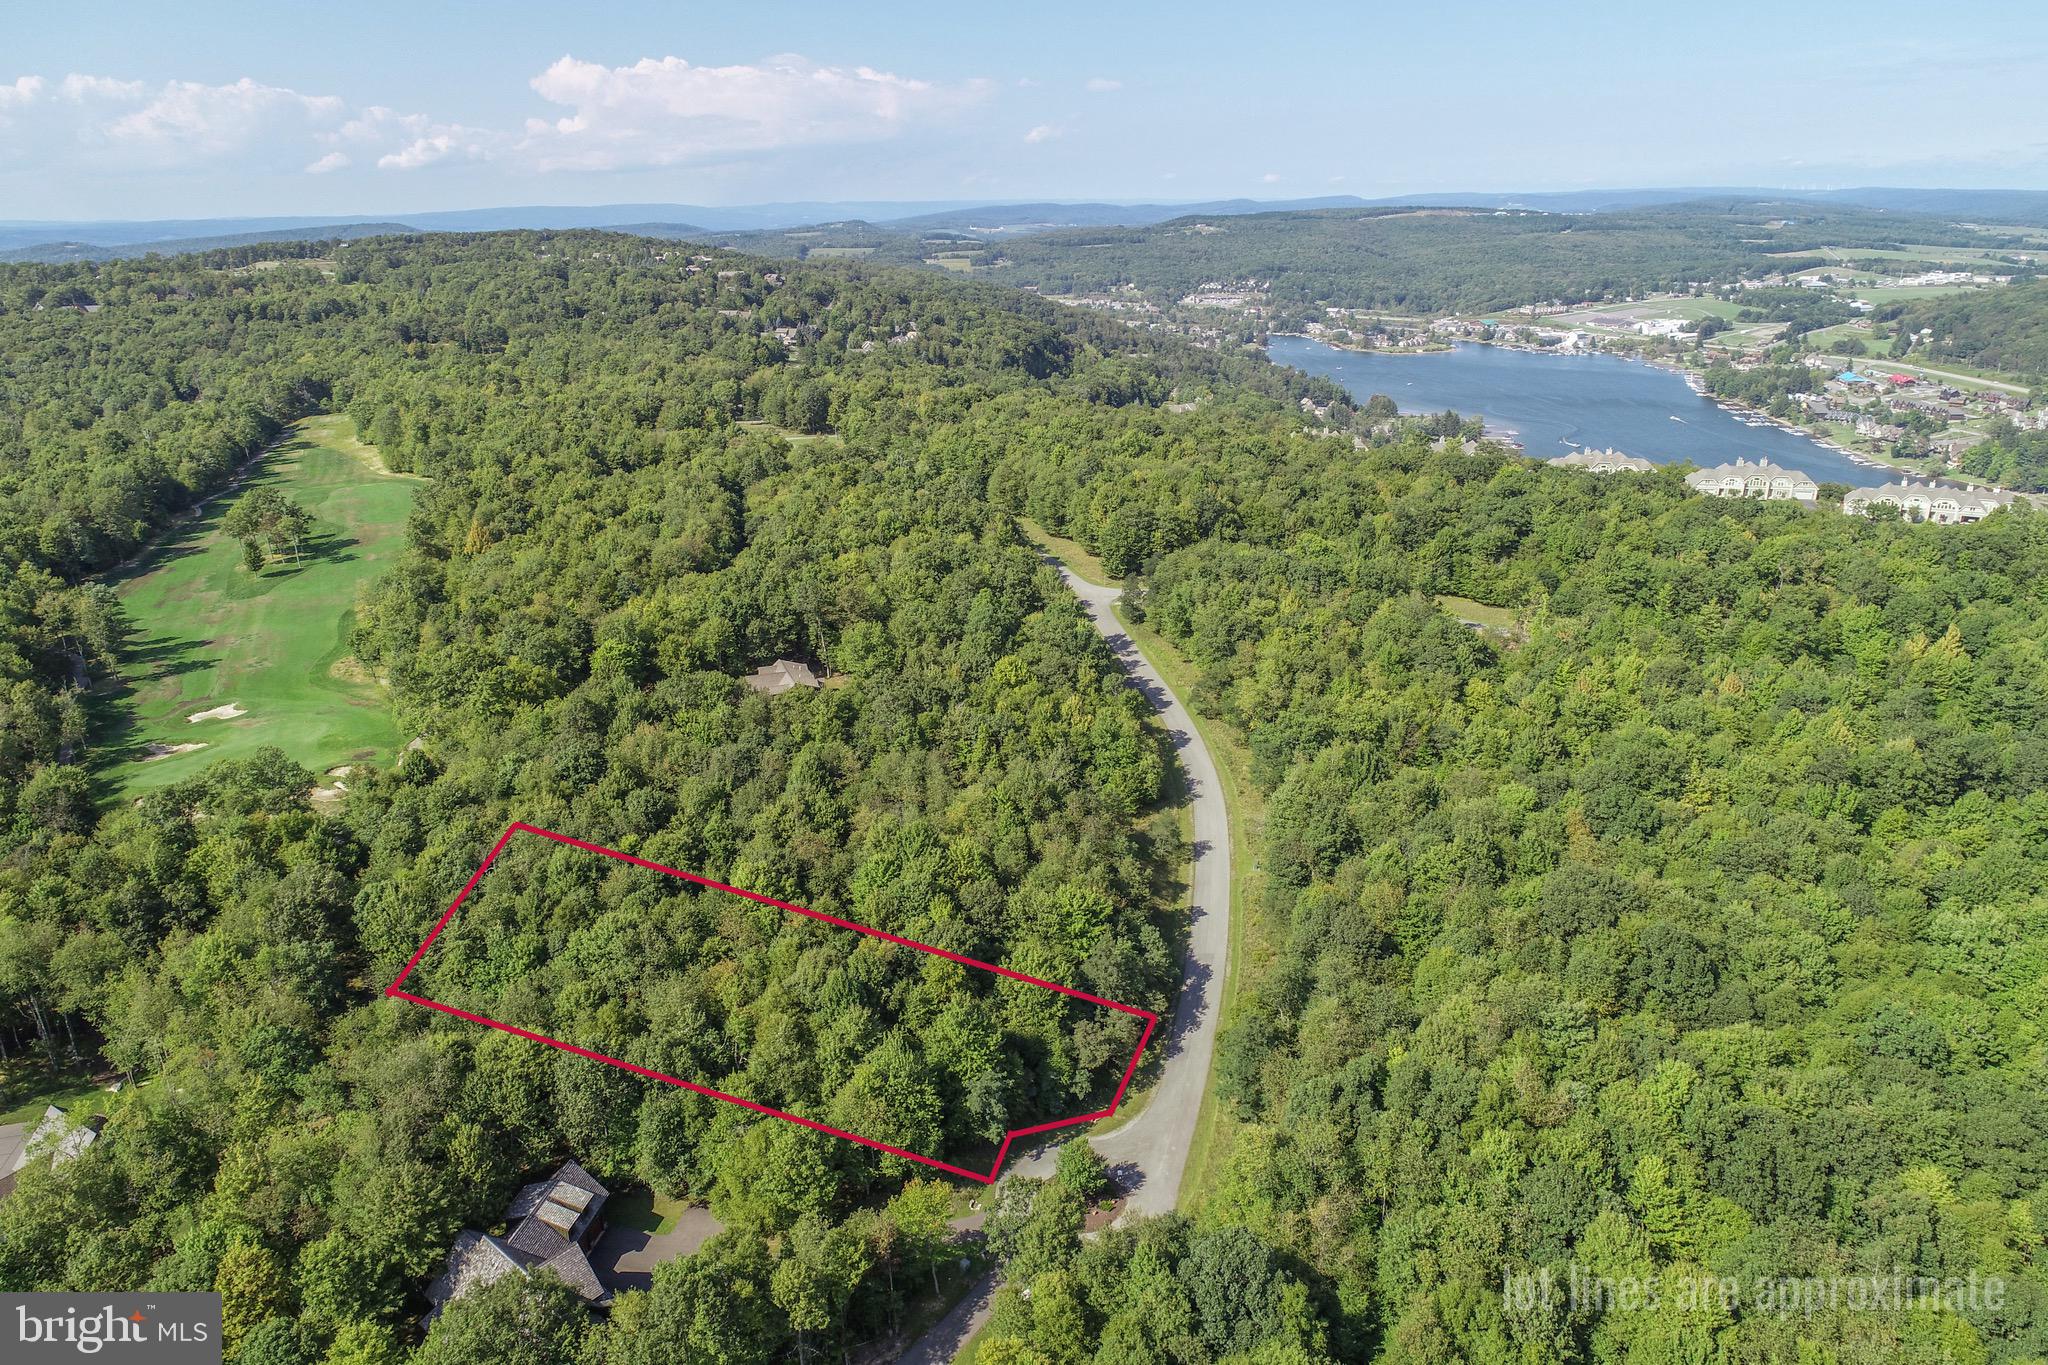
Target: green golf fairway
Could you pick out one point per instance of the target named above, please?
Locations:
(206, 633)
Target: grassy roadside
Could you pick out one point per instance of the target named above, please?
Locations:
(1071, 553)
(1177, 808)
(1251, 940)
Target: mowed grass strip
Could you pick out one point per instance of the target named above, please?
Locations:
(206, 633)
(1254, 942)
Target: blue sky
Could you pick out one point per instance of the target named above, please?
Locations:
(152, 110)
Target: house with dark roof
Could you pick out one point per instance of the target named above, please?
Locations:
(551, 1225)
(782, 675)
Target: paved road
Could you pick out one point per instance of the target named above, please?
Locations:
(1148, 1155)
(939, 1345)
(1962, 380)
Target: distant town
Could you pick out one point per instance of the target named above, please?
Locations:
(1873, 395)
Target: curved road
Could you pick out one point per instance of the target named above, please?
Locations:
(1148, 1155)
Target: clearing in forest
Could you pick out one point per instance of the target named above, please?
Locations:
(234, 660)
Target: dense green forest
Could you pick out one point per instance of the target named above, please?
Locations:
(1697, 928)
(2012, 457)
(1693, 927)
(617, 527)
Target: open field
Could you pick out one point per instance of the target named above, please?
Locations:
(1646, 310)
(1908, 252)
(1508, 619)
(1956, 372)
(27, 1086)
(795, 438)
(1822, 338)
(230, 661)
(1910, 293)
(1071, 553)
(833, 253)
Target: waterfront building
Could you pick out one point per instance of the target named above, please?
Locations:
(1944, 504)
(1761, 479)
(1608, 461)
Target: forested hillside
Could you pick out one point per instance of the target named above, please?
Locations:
(638, 493)
(2001, 329)
(1451, 260)
(1695, 926)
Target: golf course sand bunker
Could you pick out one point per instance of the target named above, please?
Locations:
(152, 752)
(209, 630)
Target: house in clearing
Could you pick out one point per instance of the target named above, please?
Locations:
(776, 678)
(1603, 462)
(1759, 480)
(54, 1135)
(551, 1225)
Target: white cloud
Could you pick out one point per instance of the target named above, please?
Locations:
(22, 90)
(105, 123)
(1271, 177)
(186, 121)
(1045, 132)
(655, 112)
(79, 88)
(659, 112)
(1102, 85)
(405, 142)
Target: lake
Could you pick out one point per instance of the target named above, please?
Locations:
(1549, 402)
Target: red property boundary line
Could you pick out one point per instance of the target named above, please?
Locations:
(988, 1178)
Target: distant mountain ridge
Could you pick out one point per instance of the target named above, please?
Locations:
(60, 251)
(27, 240)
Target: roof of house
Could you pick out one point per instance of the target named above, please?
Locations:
(56, 1134)
(477, 1258)
(575, 1270)
(1748, 469)
(1905, 492)
(778, 677)
(1601, 459)
(548, 1219)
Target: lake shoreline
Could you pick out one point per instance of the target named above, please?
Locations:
(1739, 411)
(1563, 403)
